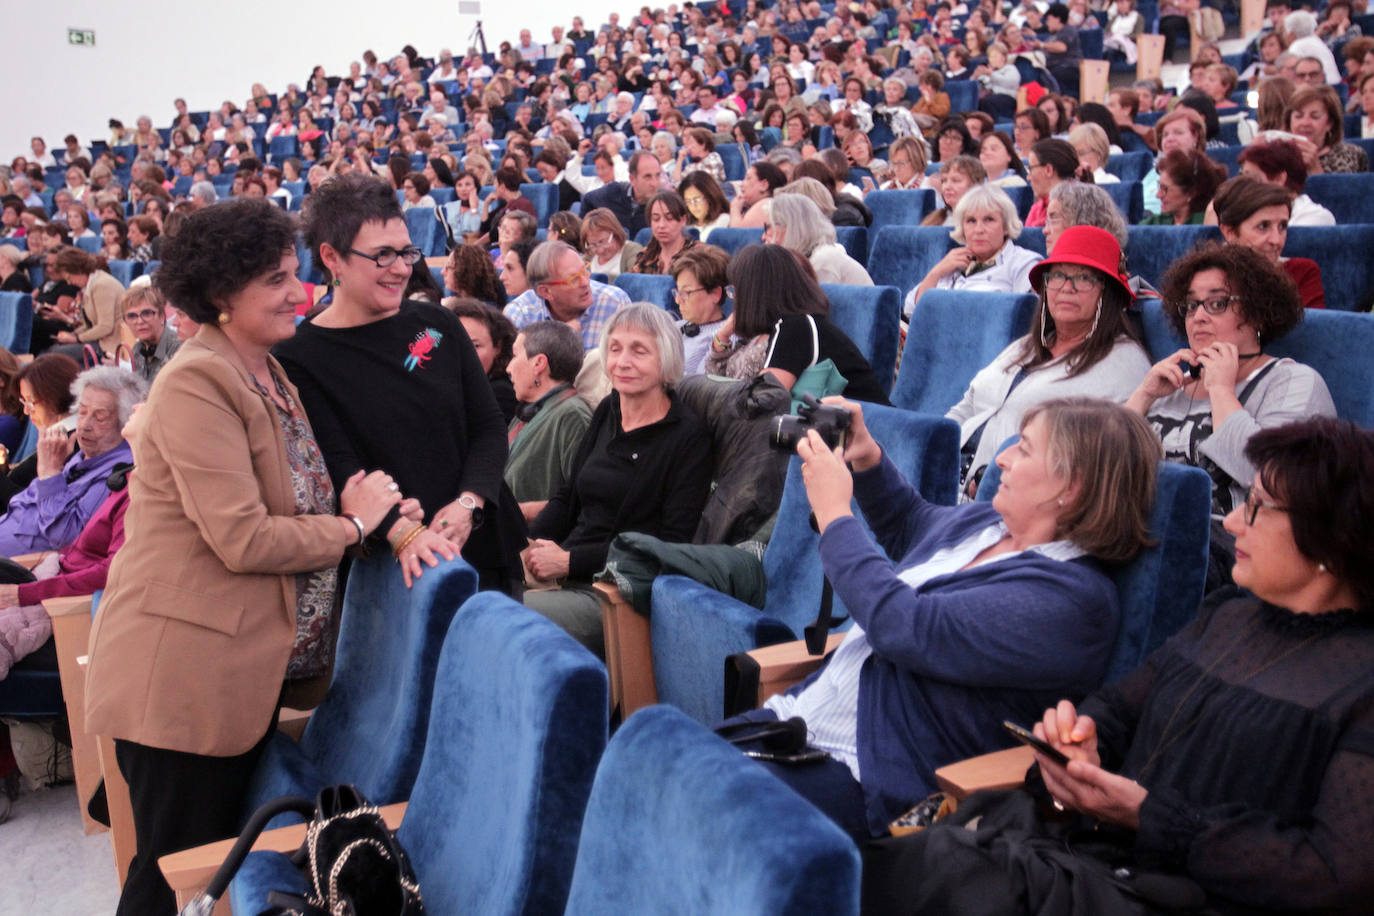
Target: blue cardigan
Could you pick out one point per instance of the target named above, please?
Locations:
(966, 650)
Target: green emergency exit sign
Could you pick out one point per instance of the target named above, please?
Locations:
(81, 37)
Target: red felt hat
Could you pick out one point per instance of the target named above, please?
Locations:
(1090, 247)
(1035, 92)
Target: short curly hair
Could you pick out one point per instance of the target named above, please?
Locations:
(1268, 297)
(338, 209)
(221, 249)
(475, 275)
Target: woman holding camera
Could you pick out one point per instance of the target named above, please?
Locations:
(989, 608)
(1229, 773)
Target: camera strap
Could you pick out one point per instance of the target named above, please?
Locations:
(817, 633)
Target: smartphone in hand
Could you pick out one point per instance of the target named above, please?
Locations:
(1028, 738)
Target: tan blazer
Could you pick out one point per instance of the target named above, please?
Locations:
(100, 307)
(191, 639)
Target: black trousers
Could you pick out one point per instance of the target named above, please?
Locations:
(180, 800)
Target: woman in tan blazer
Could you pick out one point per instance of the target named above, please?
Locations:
(100, 291)
(225, 586)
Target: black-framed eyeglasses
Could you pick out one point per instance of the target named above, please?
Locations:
(1057, 280)
(145, 315)
(1253, 503)
(387, 256)
(1213, 306)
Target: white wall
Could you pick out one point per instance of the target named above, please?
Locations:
(149, 52)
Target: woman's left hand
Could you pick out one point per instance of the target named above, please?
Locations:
(427, 547)
(454, 522)
(1085, 787)
(829, 485)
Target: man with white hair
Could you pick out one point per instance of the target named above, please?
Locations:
(527, 48)
(554, 49)
(23, 189)
(1302, 27)
(619, 117)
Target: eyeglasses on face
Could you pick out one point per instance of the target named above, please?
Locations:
(1254, 502)
(385, 257)
(1058, 279)
(1213, 306)
(144, 315)
(681, 294)
(576, 278)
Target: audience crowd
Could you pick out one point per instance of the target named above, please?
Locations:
(450, 337)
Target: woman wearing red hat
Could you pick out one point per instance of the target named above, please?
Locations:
(1079, 344)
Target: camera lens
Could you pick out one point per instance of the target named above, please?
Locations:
(787, 431)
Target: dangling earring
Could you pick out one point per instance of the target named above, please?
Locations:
(337, 282)
(1096, 318)
(1044, 323)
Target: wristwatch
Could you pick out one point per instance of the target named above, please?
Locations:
(470, 504)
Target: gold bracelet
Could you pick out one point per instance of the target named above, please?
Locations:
(404, 542)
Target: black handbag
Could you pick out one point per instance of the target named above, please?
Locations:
(353, 862)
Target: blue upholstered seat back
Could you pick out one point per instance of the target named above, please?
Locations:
(1161, 587)
(16, 321)
(517, 728)
(903, 255)
(1151, 249)
(732, 240)
(370, 727)
(1343, 253)
(855, 242)
(952, 335)
(681, 822)
(897, 208)
(425, 231)
(1348, 195)
(1336, 344)
(544, 196)
(870, 316)
(655, 288)
(126, 271)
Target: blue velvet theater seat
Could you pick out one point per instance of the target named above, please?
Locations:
(425, 231)
(544, 196)
(693, 628)
(516, 731)
(655, 288)
(732, 240)
(953, 334)
(903, 255)
(1348, 195)
(1161, 588)
(871, 317)
(681, 822)
(1343, 252)
(1151, 249)
(855, 242)
(16, 321)
(897, 208)
(1336, 344)
(370, 728)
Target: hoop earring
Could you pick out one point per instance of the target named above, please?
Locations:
(1096, 318)
(1044, 323)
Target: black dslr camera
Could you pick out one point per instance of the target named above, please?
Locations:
(830, 420)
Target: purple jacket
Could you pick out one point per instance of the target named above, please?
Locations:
(51, 511)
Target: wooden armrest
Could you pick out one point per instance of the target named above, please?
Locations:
(189, 871)
(31, 560)
(786, 663)
(998, 770)
(67, 606)
(629, 657)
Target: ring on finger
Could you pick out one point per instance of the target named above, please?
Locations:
(392, 487)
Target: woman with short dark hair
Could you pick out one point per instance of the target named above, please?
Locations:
(1187, 181)
(1256, 214)
(220, 603)
(373, 368)
(1229, 302)
(492, 335)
